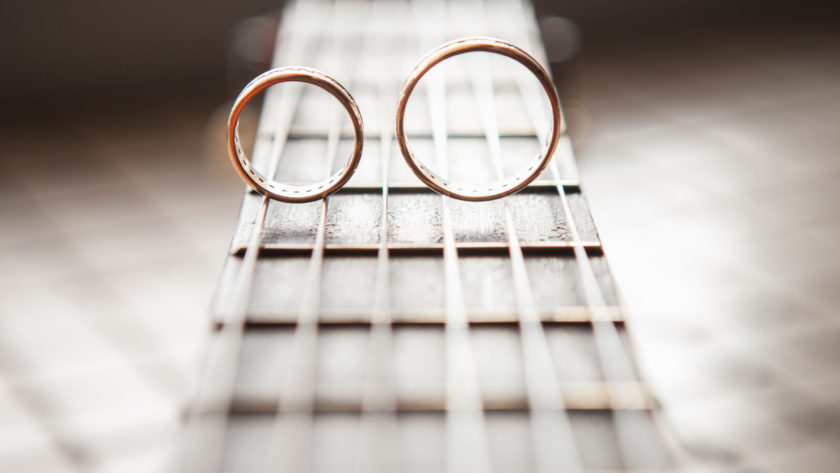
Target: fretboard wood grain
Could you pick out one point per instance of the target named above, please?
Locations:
(388, 328)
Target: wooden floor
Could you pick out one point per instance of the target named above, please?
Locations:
(711, 166)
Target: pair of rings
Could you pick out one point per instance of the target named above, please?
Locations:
(306, 193)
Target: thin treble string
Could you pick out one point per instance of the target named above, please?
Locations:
(467, 437)
(295, 404)
(295, 411)
(216, 389)
(553, 438)
(378, 395)
(615, 361)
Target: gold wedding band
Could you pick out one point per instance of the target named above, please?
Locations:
(266, 185)
(511, 184)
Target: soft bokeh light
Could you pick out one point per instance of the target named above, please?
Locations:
(707, 142)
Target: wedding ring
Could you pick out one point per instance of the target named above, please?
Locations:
(266, 185)
(520, 179)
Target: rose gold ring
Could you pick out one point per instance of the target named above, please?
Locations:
(266, 185)
(511, 184)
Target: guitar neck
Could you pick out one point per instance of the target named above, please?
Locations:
(388, 328)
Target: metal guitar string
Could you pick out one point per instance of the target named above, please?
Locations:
(294, 416)
(381, 336)
(615, 362)
(553, 438)
(379, 422)
(467, 446)
(216, 386)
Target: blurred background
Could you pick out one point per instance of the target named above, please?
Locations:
(706, 134)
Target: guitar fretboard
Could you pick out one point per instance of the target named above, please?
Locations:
(387, 328)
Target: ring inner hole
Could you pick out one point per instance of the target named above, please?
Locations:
(304, 134)
(481, 92)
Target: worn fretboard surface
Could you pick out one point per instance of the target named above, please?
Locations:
(388, 328)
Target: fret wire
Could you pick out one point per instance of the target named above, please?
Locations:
(467, 446)
(559, 247)
(615, 361)
(434, 318)
(347, 132)
(582, 395)
(295, 415)
(216, 388)
(539, 185)
(553, 439)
